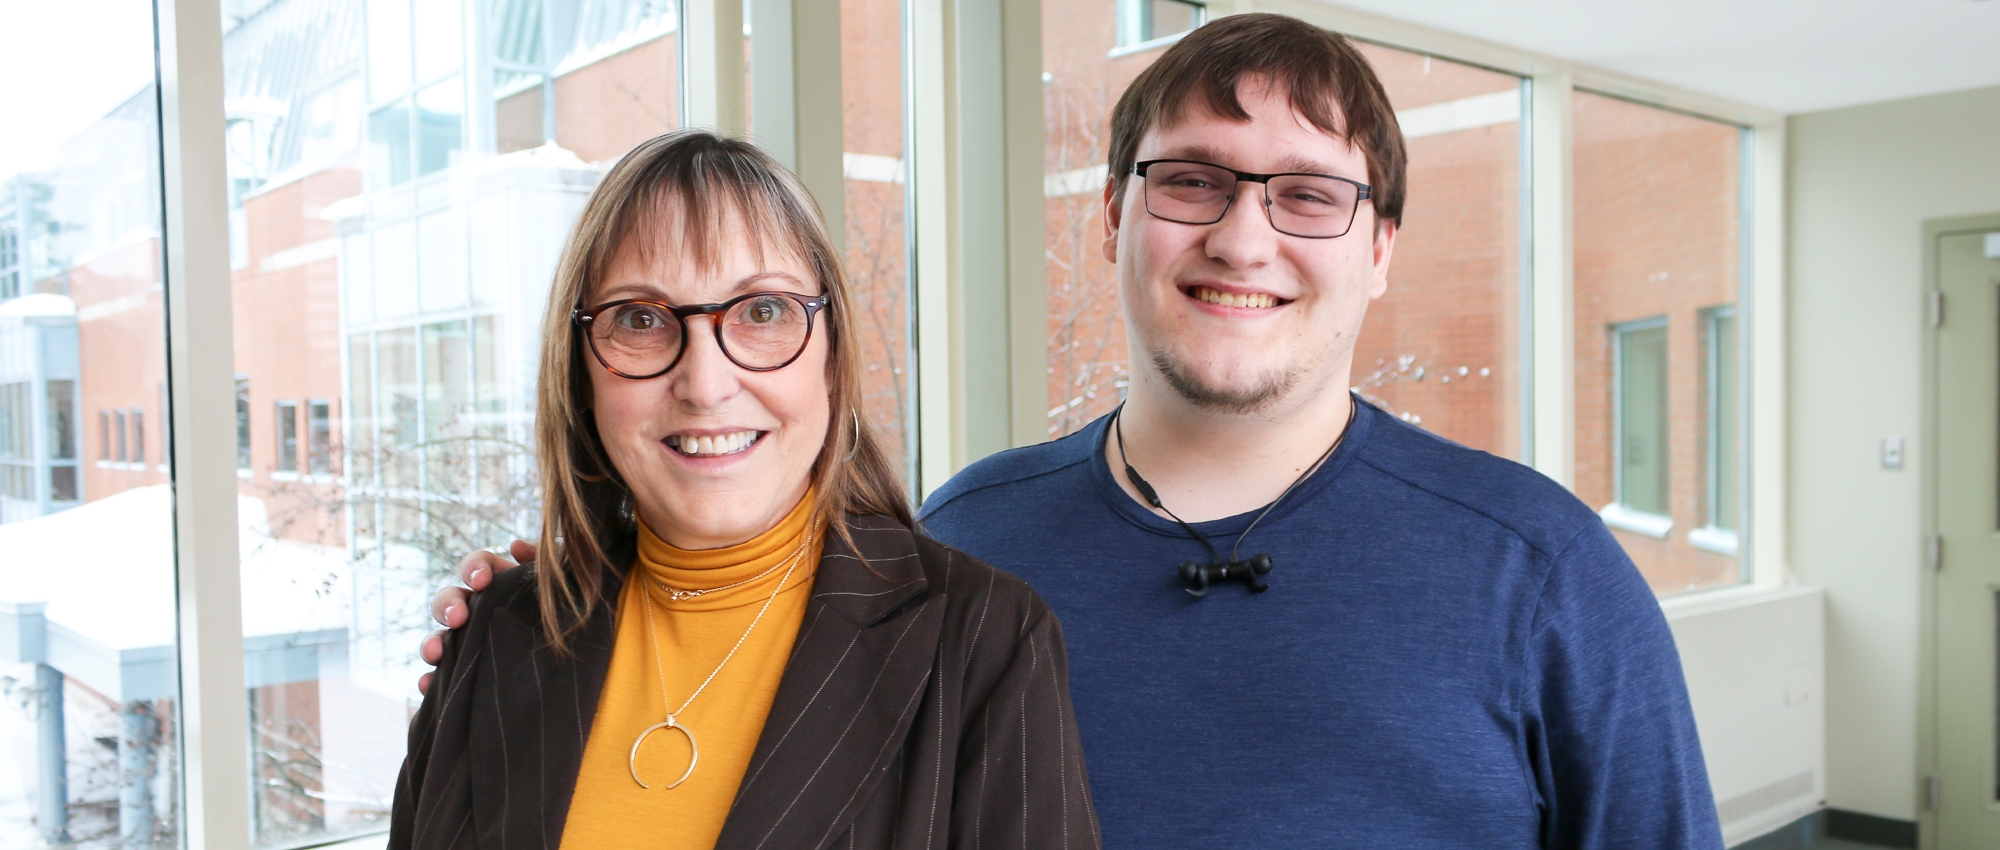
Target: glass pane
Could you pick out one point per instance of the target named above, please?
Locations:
(288, 436)
(389, 143)
(1641, 385)
(871, 70)
(1725, 454)
(89, 732)
(440, 38)
(320, 436)
(1440, 349)
(1168, 17)
(389, 68)
(1659, 233)
(440, 126)
(617, 76)
(412, 403)
(517, 111)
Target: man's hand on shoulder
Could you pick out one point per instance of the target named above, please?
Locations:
(450, 606)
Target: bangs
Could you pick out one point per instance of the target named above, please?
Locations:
(684, 208)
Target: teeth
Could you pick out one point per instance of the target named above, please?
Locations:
(1235, 299)
(713, 445)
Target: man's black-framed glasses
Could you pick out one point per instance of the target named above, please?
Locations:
(759, 331)
(1312, 206)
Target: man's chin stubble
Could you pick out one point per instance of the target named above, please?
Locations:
(1268, 390)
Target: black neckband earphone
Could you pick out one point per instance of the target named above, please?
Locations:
(1196, 577)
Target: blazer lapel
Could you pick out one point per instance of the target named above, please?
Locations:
(528, 746)
(849, 694)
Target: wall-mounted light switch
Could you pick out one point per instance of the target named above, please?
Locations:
(1892, 452)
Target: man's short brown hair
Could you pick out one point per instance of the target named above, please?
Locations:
(1325, 77)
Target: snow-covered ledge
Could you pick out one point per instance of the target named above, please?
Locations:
(1618, 516)
(1721, 541)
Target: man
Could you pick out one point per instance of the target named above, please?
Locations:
(1452, 651)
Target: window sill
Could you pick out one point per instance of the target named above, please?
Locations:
(1697, 603)
(245, 474)
(1638, 522)
(1721, 541)
(1143, 46)
(128, 467)
(284, 476)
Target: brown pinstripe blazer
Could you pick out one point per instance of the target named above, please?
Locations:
(925, 705)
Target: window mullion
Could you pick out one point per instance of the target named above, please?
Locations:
(711, 42)
(200, 360)
(1551, 368)
(1762, 328)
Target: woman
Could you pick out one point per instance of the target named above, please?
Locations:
(733, 636)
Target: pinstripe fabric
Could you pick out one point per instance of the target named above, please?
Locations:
(925, 705)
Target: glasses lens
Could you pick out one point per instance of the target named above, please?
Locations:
(1312, 206)
(1188, 192)
(766, 331)
(637, 339)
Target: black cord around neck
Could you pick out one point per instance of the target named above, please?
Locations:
(1153, 497)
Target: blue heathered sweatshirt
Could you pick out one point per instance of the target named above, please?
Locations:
(1453, 653)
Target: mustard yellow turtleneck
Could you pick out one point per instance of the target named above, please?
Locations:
(685, 641)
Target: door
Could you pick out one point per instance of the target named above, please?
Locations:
(1967, 462)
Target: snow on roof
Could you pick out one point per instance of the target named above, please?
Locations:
(38, 304)
(106, 571)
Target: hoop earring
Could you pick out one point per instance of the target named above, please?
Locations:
(856, 445)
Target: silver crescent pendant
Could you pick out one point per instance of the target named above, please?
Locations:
(632, 761)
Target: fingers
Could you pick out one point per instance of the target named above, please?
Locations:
(522, 550)
(424, 683)
(432, 647)
(448, 607)
(478, 568)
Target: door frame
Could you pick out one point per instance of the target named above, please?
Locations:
(1928, 762)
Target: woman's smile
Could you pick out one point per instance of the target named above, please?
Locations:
(713, 445)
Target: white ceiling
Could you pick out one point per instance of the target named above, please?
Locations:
(1789, 55)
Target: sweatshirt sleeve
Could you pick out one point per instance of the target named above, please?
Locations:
(1610, 731)
(1021, 774)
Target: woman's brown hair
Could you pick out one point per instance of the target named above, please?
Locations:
(678, 193)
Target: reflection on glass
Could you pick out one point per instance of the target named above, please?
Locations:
(1659, 236)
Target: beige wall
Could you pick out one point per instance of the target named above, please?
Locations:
(1863, 181)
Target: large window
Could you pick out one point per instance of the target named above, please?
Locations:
(90, 737)
(1660, 243)
(401, 175)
